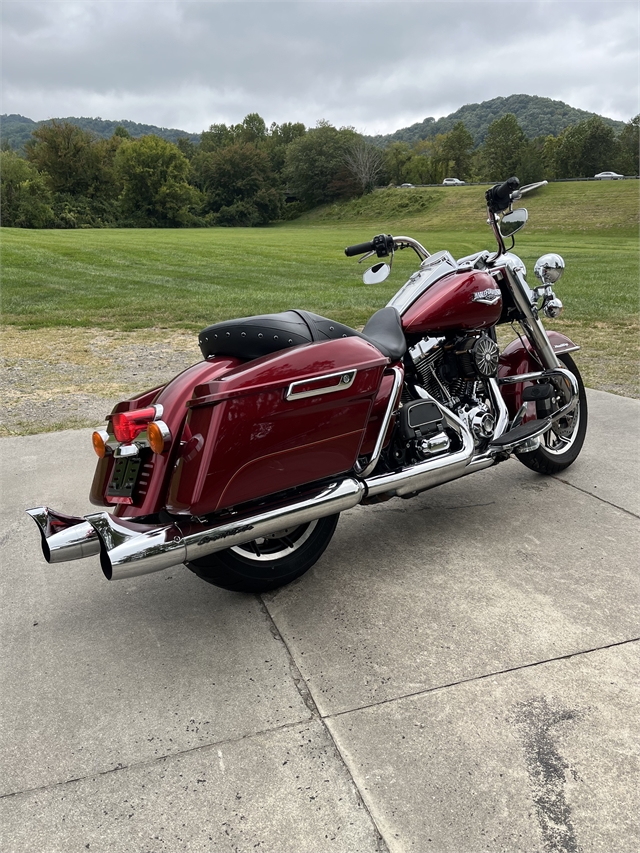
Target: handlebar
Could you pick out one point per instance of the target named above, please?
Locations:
(359, 249)
(382, 245)
(499, 196)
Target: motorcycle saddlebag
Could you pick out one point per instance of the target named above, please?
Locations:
(289, 418)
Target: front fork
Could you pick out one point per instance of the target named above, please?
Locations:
(529, 319)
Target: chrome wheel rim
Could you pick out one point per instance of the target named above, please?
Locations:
(562, 435)
(277, 545)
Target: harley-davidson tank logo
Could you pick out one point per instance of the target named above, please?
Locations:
(490, 296)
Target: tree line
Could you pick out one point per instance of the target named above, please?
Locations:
(249, 174)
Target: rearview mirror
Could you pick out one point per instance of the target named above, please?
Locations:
(512, 222)
(376, 274)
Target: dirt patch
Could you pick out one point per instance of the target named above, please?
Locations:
(55, 379)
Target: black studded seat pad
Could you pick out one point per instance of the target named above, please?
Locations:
(252, 337)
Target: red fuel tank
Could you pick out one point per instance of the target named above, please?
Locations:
(463, 300)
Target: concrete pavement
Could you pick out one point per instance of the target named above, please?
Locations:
(459, 672)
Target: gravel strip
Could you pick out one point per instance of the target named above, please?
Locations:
(55, 379)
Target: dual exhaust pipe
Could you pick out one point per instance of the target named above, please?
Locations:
(127, 548)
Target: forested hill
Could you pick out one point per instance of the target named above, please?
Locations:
(17, 129)
(537, 117)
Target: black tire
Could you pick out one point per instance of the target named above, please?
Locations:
(267, 563)
(561, 445)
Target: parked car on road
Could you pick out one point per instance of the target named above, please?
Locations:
(452, 182)
(608, 176)
(406, 185)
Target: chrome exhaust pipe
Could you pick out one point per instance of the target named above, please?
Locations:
(425, 475)
(431, 472)
(128, 549)
(64, 537)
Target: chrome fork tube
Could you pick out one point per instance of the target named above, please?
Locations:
(531, 323)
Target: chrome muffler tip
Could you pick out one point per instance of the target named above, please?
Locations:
(129, 549)
(64, 537)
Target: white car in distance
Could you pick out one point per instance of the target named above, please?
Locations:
(608, 176)
(452, 182)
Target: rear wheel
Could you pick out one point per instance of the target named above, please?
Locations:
(268, 562)
(562, 443)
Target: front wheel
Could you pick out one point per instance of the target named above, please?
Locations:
(562, 443)
(269, 562)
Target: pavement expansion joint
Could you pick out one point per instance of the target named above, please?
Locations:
(483, 677)
(296, 675)
(203, 747)
(597, 497)
(305, 694)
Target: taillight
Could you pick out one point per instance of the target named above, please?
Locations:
(127, 425)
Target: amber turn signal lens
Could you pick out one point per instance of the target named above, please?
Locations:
(158, 435)
(99, 444)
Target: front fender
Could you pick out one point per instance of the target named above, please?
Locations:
(519, 357)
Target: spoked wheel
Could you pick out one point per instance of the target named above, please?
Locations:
(268, 562)
(562, 443)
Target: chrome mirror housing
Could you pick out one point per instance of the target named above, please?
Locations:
(512, 222)
(549, 268)
(376, 274)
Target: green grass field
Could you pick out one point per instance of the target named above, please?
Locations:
(131, 279)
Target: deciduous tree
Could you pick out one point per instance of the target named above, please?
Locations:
(457, 148)
(67, 156)
(315, 168)
(238, 185)
(154, 176)
(503, 148)
(365, 163)
(629, 148)
(26, 199)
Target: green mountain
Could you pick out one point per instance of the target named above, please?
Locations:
(16, 129)
(537, 117)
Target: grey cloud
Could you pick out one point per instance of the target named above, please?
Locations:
(377, 66)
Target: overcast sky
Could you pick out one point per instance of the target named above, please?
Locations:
(377, 66)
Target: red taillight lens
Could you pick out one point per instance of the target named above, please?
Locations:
(127, 425)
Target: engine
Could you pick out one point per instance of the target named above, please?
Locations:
(453, 371)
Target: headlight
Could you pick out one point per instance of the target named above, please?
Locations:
(549, 268)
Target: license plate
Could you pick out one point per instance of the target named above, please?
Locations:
(123, 478)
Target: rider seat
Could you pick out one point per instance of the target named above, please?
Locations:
(252, 337)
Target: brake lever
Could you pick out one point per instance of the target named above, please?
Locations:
(364, 257)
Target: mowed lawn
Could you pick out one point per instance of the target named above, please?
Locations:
(189, 278)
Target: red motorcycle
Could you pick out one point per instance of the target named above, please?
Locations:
(240, 466)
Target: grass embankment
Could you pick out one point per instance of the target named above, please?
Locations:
(127, 280)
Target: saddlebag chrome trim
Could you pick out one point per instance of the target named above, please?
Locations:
(377, 450)
(345, 380)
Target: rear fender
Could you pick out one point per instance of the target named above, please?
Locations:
(519, 357)
(173, 397)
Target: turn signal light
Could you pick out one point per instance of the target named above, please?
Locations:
(99, 439)
(159, 436)
(127, 425)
